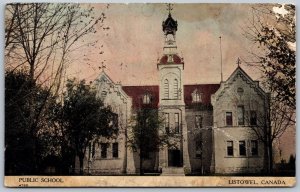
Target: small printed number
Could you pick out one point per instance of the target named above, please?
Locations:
(23, 185)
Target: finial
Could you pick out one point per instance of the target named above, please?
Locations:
(169, 8)
(238, 61)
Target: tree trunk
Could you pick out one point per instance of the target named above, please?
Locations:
(124, 171)
(268, 155)
(141, 164)
(270, 148)
(81, 156)
(266, 158)
(32, 121)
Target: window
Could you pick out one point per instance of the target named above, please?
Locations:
(176, 122)
(240, 111)
(242, 147)
(254, 147)
(240, 91)
(253, 118)
(104, 147)
(198, 148)
(229, 148)
(114, 121)
(115, 150)
(175, 89)
(166, 89)
(93, 149)
(90, 148)
(103, 94)
(198, 121)
(170, 58)
(229, 118)
(146, 99)
(167, 123)
(196, 96)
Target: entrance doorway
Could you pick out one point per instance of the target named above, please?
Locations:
(174, 158)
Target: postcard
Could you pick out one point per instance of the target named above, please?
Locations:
(150, 95)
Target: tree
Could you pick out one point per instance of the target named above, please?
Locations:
(85, 117)
(271, 126)
(22, 153)
(202, 135)
(39, 41)
(55, 148)
(42, 35)
(292, 162)
(273, 30)
(147, 134)
(40, 38)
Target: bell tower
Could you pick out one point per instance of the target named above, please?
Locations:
(169, 27)
(171, 101)
(170, 66)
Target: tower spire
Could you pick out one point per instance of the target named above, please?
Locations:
(169, 27)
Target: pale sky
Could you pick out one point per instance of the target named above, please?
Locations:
(136, 39)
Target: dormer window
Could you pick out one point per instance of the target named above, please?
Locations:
(147, 99)
(196, 96)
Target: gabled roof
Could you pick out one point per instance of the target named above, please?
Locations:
(238, 72)
(206, 90)
(137, 93)
(104, 78)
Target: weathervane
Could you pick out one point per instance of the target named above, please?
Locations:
(169, 8)
(238, 61)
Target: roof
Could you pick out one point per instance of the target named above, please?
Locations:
(176, 59)
(239, 72)
(137, 93)
(206, 90)
(169, 25)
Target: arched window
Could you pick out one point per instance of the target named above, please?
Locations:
(103, 94)
(146, 98)
(240, 91)
(175, 89)
(196, 96)
(166, 89)
(170, 58)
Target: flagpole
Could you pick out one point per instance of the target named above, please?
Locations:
(221, 59)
